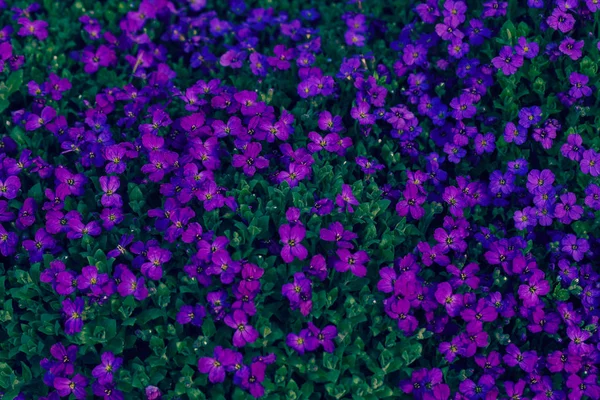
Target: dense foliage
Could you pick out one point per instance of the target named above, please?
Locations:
(227, 199)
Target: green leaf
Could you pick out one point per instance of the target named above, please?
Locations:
(135, 194)
(14, 81)
(412, 352)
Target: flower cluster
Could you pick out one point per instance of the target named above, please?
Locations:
(385, 198)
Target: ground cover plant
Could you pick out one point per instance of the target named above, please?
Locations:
(228, 199)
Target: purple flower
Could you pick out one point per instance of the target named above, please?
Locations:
(281, 58)
(571, 48)
(69, 183)
(65, 359)
(573, 148)
(36, 28)
(129, 285)
(412, 203)
(251, 378)
(291, 236)
(250, 161)
(346, 199)
(114, 156)
(107, 391)
(414, 55)
(361, 113)
(109, 185)
(109, 364)
(46, 116)
(367, 166)
(516, 134)
(224, 266)
(41, 242)
(536, 286)
(590, 163)
(530, 116)
(302, 342)
(587, 386)
(567, 210)
(75, 386)
(191, 314)
(153, 393)
(216, 366)
(8, 242)
(94, 59)
(575, 247)
(355, 262)
(9, 188)
(78, 228)
(299, 293)
(336, 233)
(324, 336)
(91, 280)
(527, 49)
(525, 360)
(56, 86)
(452, 302)
(508, 61)
(66, 283)
(483, 389)
(463, 107)
(540, 182)
(244, 333)
(560, 20)
(399, 309)
(73, 311)
(579, 87)
(330, 123)
(156, 258)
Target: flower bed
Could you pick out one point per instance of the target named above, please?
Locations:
(211, 199)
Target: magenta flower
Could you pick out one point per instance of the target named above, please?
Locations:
(590, 163)
(525, 360)
(346, 199)
(571, 48)
(65, 359)
(355, 262)
(109, 185)
(75, 386)
(36, 28)
(251, 378)
(9, 188)
(73, 311)
(250, 161)
(527, 49)
(131, 286)
(324, 336)
(302, 342)
(217, 365)
(224, 266)
(157, 257)
(508, 61)
(94, 59)
(336, 233)
(36, 121)
(567, 210)
(452, 302)
(191, 314)
(536, 286)
(412, 203)
(244, 333)
(91, 280)
(69, 183)
(291, 236)
(109, 364)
